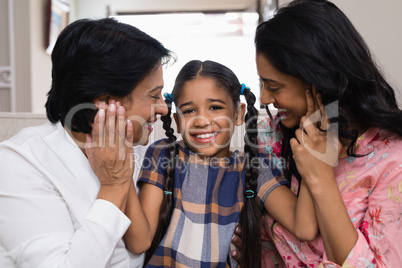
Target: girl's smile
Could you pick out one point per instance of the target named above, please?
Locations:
(205, 137)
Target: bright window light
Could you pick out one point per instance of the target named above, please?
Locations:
(227, 38)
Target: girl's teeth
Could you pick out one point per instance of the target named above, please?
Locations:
(283, 110)
(204, 136)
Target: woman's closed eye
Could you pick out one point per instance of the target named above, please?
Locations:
(272, 89)
(271, 85)
(156, 97)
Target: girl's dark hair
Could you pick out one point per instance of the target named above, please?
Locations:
(314, 41)
(95, 58)
(250, 214)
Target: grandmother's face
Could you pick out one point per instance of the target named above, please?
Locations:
(144, 104)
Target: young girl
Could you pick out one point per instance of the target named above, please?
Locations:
(194, 192)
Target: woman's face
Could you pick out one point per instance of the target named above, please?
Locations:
(285, 92)
(144, 103)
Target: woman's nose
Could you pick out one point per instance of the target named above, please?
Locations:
(267, 97)
(161, 108)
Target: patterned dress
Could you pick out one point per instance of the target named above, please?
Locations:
(371, 188)
(208, 197)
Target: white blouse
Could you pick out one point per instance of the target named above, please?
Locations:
(49, 214)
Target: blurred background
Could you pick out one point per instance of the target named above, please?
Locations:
(219, 30)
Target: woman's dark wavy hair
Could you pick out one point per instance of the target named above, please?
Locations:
(250, 214)
(314, 41)
(94, 58)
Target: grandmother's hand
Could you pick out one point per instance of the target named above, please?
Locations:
(236, 241)
(109, 151)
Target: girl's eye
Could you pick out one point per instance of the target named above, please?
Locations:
(187, 111)
(156, 97)
(216, 107)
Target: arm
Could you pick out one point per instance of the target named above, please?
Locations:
(375, 238)
(337, 231)
(296, 214)
(49, 216)
(316, 152)
(144, 214)
(109, 155)
(143, 209)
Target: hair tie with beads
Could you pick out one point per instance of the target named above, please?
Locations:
(168, 96)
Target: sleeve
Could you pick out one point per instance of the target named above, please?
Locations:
(153, 168)
(379, 234)
(37, 227)
(270, 141)
(269, 178)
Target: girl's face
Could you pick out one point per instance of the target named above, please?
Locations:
(206, 117)
(285, 92)
(144, 104)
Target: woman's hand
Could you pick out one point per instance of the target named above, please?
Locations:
(316, 151)
(236, 241)
(316, 147)
(109, 151)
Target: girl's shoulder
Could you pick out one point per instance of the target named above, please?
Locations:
(160, 147)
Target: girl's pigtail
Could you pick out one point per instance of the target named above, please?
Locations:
(166, 209)
(250, 215)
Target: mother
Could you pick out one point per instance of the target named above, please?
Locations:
(54, 210)
(310, 56)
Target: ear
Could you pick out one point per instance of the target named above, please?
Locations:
(100, 101)
(241, 110)
(177, 120)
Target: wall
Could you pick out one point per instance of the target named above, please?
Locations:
(379, 23)
(32, 64)
(98, 8)
(41, 63)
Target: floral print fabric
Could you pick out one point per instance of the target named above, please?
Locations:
(371, 188)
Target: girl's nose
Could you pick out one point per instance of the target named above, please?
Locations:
(201, 121)
(267, 97)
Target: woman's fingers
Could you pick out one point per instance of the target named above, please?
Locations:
(121, 125)
(98, 128)
(316, 117)
(312, 114)
(110, 126)
(308, 126)
(311, 107)
(324, 123)
(89, 146)
(236, 241)
(130, 133)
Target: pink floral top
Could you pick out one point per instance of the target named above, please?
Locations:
(371, 188)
